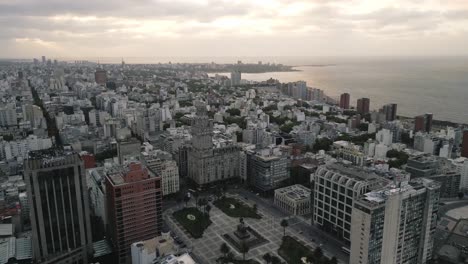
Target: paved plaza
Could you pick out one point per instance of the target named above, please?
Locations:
(206, 249)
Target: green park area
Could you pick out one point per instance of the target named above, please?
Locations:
(293, 251)
(235, 208)
(194, 221)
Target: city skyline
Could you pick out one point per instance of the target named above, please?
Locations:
(239, 28)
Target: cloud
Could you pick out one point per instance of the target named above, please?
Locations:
(76, 28)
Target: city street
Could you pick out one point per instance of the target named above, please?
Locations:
(206, 249)
(330, 245)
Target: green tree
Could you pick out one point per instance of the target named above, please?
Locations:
(287, 107)
(267, 258)
(195, 195)
(203, 203)
(275, 260)
(224, 249)
(178, 115)
(186, 199)
(284, 224)
(233, 112)
(244, 249)
(286, 128)
(322, 144)
(364, 127)
(208, 209)
(318, 253)
(270, 108)
(8, 137)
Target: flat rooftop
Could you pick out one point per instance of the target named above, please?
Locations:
(50, 153)
(352, 171)
(294, 192)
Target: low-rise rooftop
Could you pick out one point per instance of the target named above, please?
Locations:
(294, 192)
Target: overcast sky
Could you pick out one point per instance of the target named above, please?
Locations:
(141, 28)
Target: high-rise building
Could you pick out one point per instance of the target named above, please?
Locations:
(236, 78)
(423, 123)
(464, 151)
(268, 169)
(44, 60)
(363, 105)
(100, 76)
(344, 101)
(162, 165)
(315, 94)
(134, 206)
(8, 115)
(58, 199)
(207, 162)
(298, 89)
(390, 112)
(395, 224)
(128, 149)
(335, 188)
(437, 169)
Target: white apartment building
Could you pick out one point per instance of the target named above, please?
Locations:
(396, 224)
(21, 148)
(335, 188)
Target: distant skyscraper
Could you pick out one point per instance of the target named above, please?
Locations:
(236, 78)
(464, 152)
(419, 123)
(58, 198)
(390, 111)
(344, 101)
(100, 76)
(44, 60)
(134, 207)
(395, 224)
(298, 90)
(423, 123)
(363, 105)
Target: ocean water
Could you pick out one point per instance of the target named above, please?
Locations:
(417, 85)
